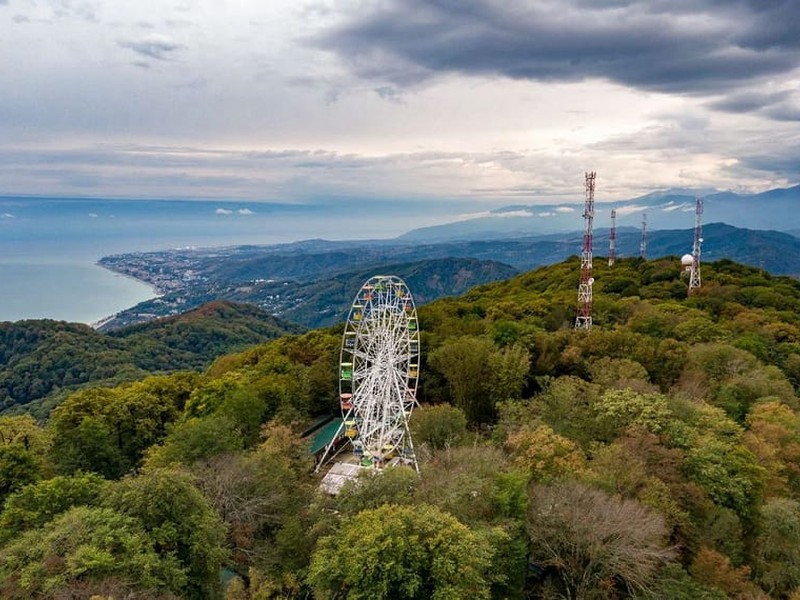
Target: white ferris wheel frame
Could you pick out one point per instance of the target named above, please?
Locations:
(379, 372)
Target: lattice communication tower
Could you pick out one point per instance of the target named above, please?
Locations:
(694, 273)
(612, 239)
(643, 243)
(584, 318)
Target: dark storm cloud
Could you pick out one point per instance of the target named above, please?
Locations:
(745, 102)
(698, 47)
(786, 164)
(155, 47)
(784, 112)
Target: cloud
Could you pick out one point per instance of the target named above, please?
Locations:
(546, 214)
(699, 47)
(93, 215)
(452, 182)
(496, 214)
(155, 46)
(565, 209)
(767, 160)
(630, 209)
(7, 215)
(784, 112)
(229, 211)
(510, 214)
(749, 101)
(671, 206)
(389, 93)
(72, 9)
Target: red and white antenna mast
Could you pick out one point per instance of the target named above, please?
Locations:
(612, 239)
(694, 273)
(584, 320)
(643, 243)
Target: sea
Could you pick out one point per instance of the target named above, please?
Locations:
(49, 247)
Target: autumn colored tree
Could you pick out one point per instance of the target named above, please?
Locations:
(544, 454)
(715, 570)
(620, 373)
(263, 501)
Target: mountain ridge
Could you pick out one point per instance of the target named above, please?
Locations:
(42, 357)
(772, 209)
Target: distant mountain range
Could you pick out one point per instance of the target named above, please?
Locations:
(774, 251)
(673, 209)
(313, 282)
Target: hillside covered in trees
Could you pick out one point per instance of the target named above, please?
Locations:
(318, 294)
(41, 358)
(312, 282)
(656, 456)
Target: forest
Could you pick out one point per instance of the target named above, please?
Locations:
(655, 456)
(42, 361)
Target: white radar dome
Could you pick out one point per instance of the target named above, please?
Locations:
(687, 260)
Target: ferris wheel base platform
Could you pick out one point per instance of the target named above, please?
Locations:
(340, 473)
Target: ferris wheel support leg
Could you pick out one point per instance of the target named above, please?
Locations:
(411, 445)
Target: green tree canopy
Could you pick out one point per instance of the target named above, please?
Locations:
(480, 375)
(179, 520)
(439, 426)
(401, 552)
(37, 504)
(86, 543)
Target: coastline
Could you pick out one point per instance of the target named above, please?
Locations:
(157, 293)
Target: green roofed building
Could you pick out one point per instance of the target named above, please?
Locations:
(325, 435)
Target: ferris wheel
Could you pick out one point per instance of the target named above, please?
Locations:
(379, 371)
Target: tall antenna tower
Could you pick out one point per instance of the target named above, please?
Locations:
(584, 319)
(643, 243)
(612, 239)
(694, 273)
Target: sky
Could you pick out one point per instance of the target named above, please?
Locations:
(462, 103)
